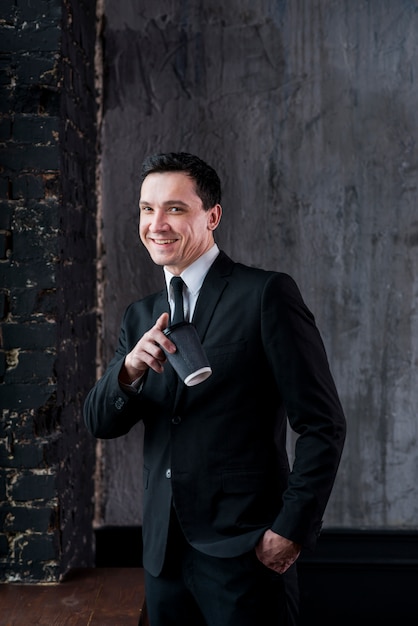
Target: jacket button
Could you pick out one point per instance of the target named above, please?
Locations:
(168, 473)
(119, 403)
(176, 419)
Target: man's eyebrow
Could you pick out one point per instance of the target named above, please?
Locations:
(167, 203)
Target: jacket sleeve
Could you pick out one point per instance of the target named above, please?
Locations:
(109, 411)
(298, 359)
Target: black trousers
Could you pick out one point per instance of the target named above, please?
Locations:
(195, 589)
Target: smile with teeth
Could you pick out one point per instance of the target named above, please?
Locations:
(164, 241)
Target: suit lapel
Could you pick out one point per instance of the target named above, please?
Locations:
(210, 293)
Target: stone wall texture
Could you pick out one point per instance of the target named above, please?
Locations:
(308, 112)
(47, 286)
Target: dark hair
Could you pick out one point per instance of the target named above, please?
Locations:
(208, 185)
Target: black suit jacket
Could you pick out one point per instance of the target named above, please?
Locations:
(217, 450)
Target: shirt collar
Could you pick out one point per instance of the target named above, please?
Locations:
(194, 275)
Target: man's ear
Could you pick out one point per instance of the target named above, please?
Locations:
(214, 216)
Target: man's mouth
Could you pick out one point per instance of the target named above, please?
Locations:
(161, 242)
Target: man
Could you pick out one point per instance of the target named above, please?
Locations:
(224, 518)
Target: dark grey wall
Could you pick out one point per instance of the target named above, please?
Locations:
(308, 112)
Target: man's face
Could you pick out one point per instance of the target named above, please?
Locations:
(173, 225)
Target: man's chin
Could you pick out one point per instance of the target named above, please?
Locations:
(160, 258)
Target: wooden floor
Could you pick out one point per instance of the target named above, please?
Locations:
(87, 597)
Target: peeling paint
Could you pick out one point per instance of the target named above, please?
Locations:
(12, 357)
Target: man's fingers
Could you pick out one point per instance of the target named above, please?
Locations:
(159, 337)
(162, 321)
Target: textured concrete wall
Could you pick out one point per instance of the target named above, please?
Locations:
(309, 112)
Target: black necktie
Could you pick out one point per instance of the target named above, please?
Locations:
(177, 285)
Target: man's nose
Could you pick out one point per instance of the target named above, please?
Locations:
(158, 221)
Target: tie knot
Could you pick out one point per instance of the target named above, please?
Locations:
(177, 285)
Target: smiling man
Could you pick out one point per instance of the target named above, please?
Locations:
(225, 518)
(174, 226)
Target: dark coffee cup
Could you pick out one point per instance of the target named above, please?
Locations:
(189, 360)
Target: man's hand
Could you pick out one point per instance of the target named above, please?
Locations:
(277, 552)
(148, 353)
